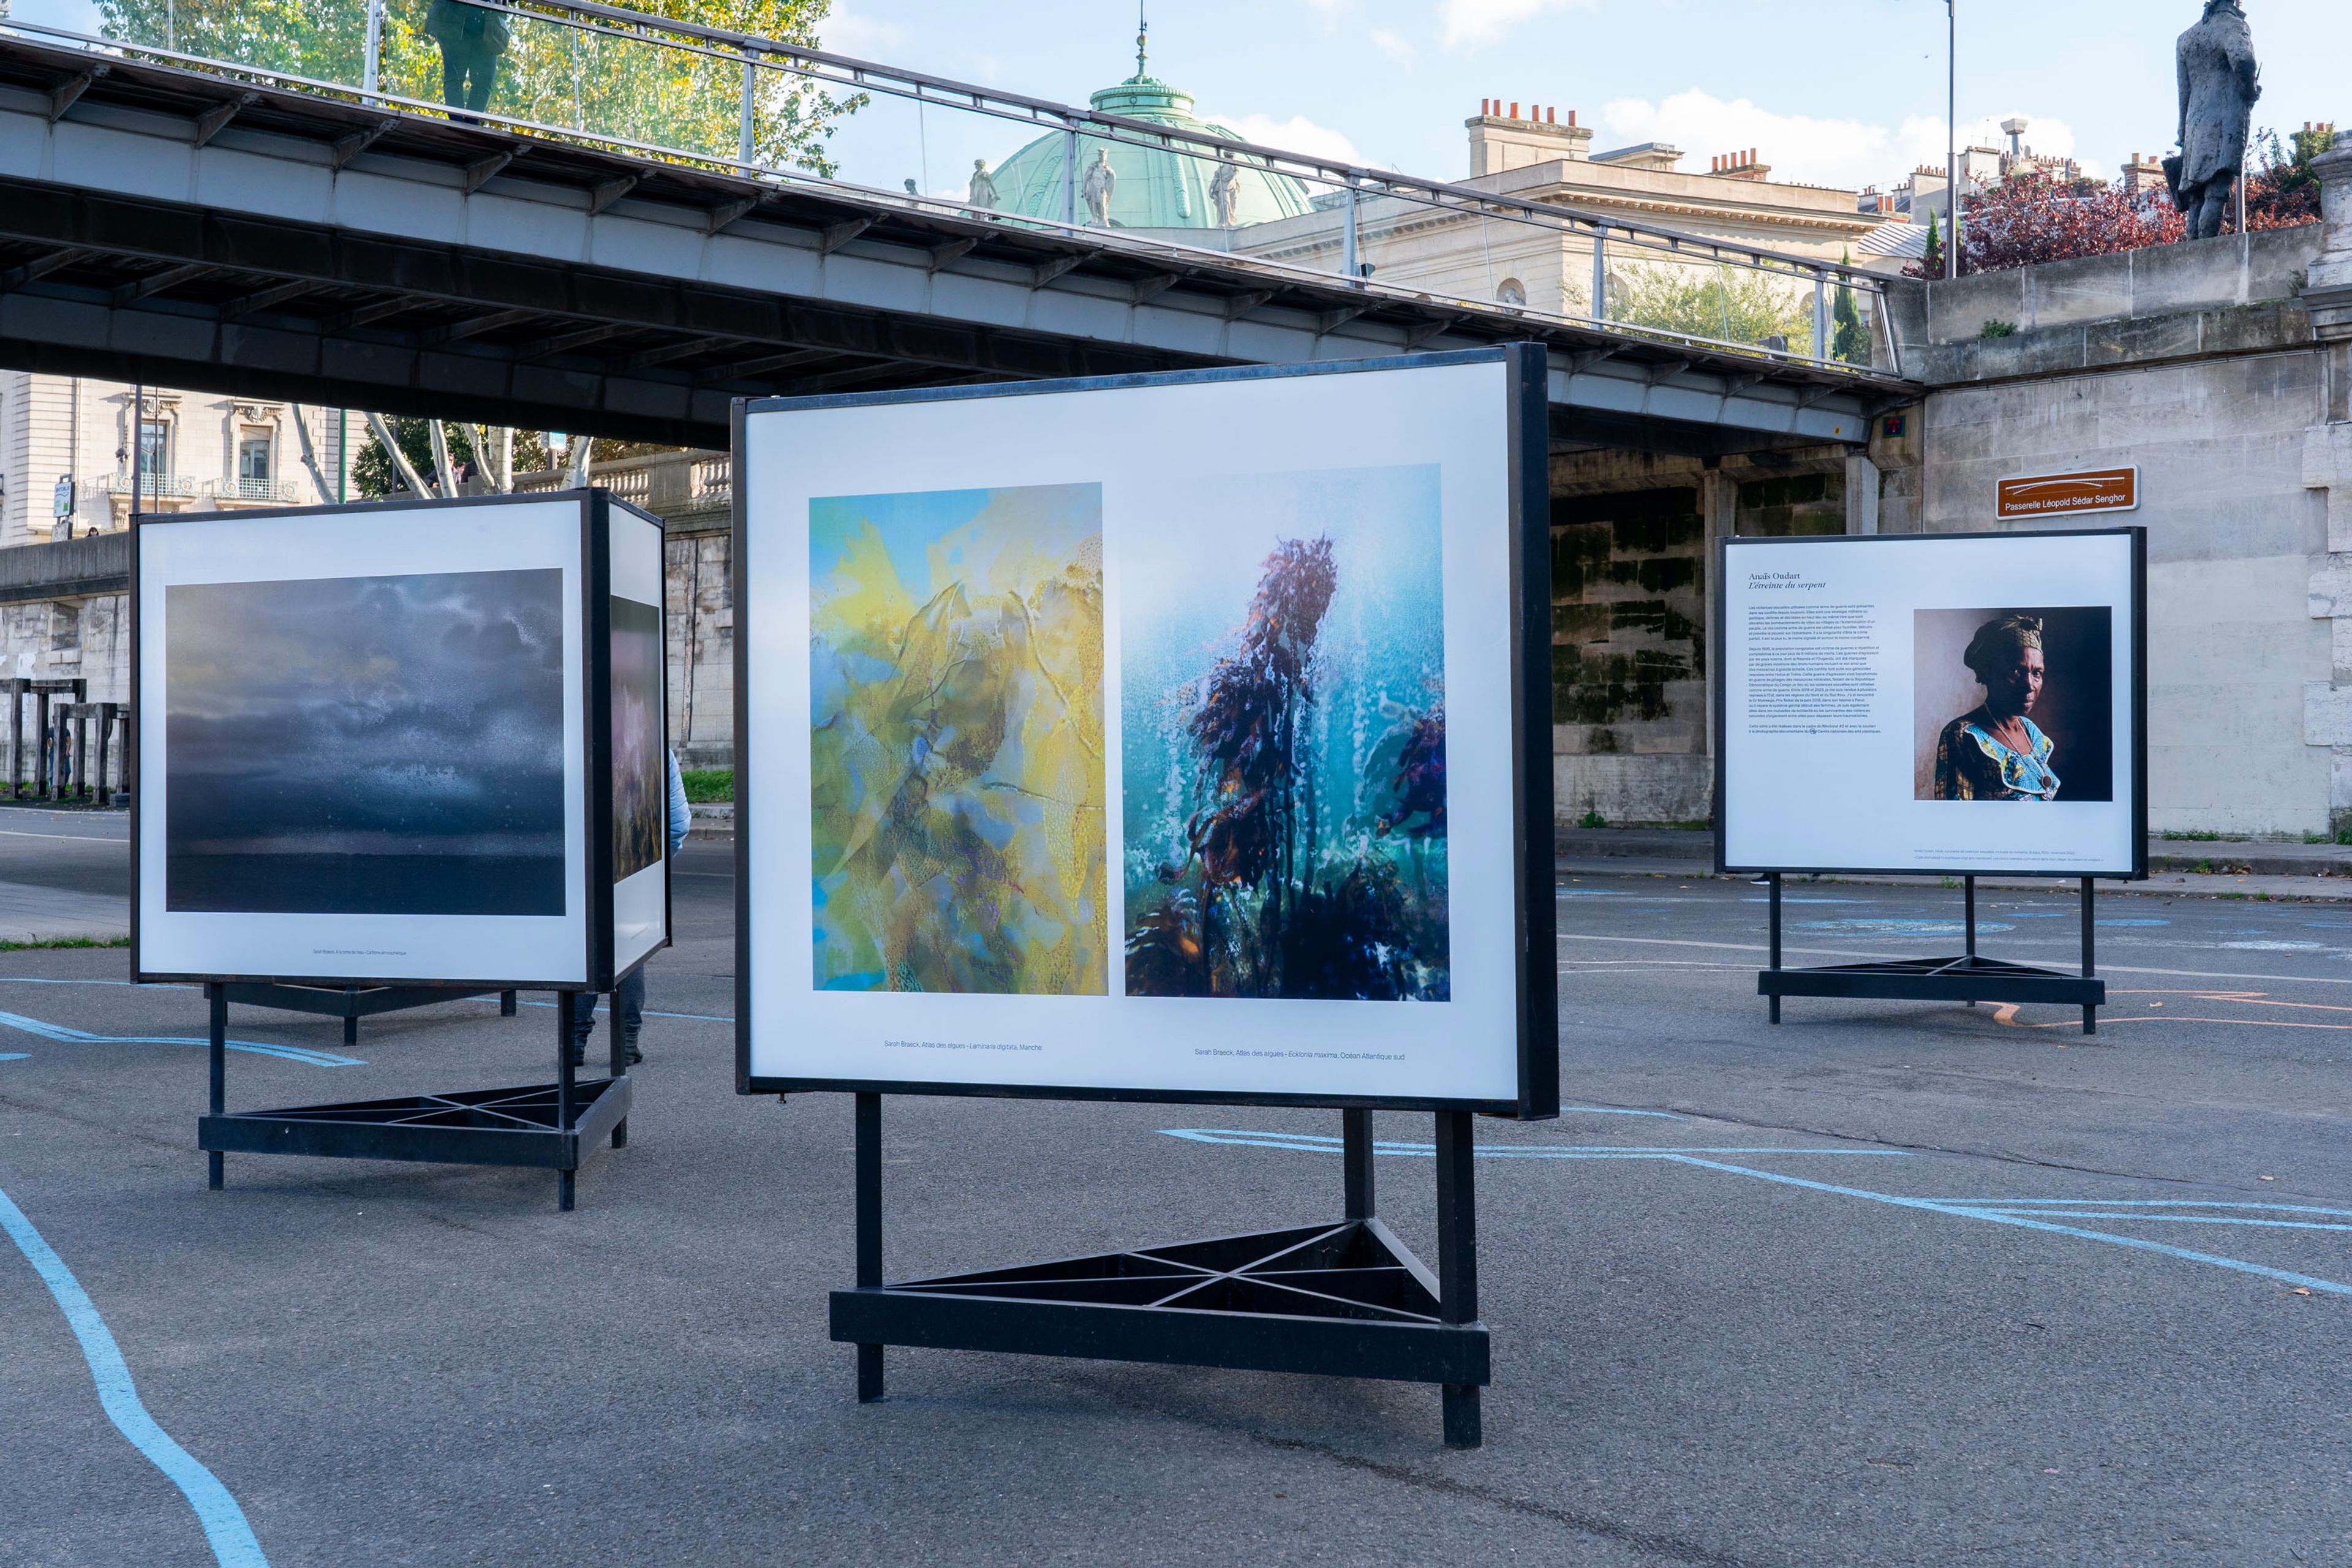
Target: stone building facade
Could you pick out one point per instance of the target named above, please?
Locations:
(66, 473)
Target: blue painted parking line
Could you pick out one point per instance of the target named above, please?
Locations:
(223, 1521)
(2041, 1215)
(259, 1047)
(15, 1056)
(1316, 1143)
(698, 1018)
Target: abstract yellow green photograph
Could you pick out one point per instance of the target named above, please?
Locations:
(956, 776)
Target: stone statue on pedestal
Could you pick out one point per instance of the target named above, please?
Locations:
(2219, 84)
(983, 186)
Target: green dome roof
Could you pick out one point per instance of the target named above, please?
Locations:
(1156, 187)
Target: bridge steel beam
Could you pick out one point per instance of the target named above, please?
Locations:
(575, 288)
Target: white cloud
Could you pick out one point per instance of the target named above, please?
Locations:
(1393, 46)
(1295, 134)
(1469, 23)
(1846, 154)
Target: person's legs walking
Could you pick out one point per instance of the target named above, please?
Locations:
(483, 72)
(583, 1024)
(629, 1002)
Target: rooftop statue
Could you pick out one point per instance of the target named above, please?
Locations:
(984, 187)
(1097, 187)
(1225, 195)
(2219, 84)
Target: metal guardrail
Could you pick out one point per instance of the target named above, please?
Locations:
(1591, 270)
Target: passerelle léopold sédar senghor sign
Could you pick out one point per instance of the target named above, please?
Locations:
(2067, 495)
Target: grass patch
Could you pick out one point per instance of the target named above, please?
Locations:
(705, 785)
(66, 942)
(2193, 836)
(1593, 819)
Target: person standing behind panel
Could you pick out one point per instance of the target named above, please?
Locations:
(629, 995)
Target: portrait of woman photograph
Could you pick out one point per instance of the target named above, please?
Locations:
(2013, 704)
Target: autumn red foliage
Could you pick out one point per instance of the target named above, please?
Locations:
(2026, 221)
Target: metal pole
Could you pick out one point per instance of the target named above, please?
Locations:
(1457, 1262)
(564, 1175)
(2090, 956)
(1069, 177)
(743, 134)
(1820, 316)
(1773, 1011)
(620, 1063)
(1348, 242)
(1600, 275)
(1952, 138)
(869, 1233)
(1968, 896)
(1356, 1161)
(374, 46)
(217, 1002)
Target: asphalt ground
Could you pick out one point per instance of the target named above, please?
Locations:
(1890, 1283)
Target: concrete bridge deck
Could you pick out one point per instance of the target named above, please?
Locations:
(194, 230)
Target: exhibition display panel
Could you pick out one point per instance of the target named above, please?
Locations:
(398, 753)
(1174, 738)
(1952, 705)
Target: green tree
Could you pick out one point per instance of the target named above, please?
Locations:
(374, 476)
(657, 90)
(1933, 266)
(1851, 341)
(1731, 304)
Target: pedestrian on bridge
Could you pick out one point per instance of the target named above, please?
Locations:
(472, 37)
(629, 995)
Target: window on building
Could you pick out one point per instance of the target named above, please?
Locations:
(1511, 291)
(253, 460)
(155, 448)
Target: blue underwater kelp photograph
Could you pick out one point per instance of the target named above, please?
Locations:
(1283, 698)
(957, 781)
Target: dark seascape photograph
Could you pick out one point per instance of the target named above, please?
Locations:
(366, 745)
(640, 771)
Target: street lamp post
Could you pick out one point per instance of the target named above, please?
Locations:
(1952, 138)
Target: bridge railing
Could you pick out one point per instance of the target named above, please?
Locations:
(782, 111)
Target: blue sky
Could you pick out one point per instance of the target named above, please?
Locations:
(1846, 92)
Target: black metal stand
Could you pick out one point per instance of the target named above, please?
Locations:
(1969, 978)
(538, 1126)
(1343, 1299)
(352, 1003)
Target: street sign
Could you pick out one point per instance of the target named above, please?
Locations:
(2068, 495)
(61, 500)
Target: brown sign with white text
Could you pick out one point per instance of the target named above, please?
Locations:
(2068, 495)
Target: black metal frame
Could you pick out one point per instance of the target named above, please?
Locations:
(541, 1126)
(1342, 1298)
(538, 1126)
(2136, 871)
(352, 1003)
(1968, 976)
(1355, 1303)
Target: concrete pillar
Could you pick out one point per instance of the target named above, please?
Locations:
(2328, 288)
(1718, 503)
(1861, 494)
